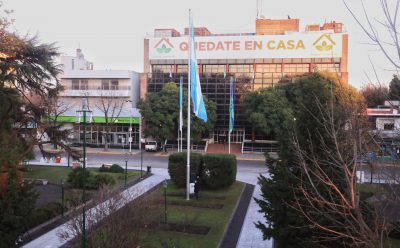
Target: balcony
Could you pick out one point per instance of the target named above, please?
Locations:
(93, 91)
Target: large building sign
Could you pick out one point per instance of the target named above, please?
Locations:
(298, 45)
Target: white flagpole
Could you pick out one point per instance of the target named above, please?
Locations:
(188, 118)
(229, 141)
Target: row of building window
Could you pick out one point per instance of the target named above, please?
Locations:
(106, 84)
(251, 69)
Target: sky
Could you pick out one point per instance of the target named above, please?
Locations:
(111, 33)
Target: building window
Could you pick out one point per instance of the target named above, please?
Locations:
(327, 67)
(114, 84)
(105, 85)
(84, 85)
(75, 84)
(388, 126)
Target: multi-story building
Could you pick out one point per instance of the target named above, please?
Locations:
(385, 121)
(277, 51)
(112, 96)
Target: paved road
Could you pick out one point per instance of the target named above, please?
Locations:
(155, 160)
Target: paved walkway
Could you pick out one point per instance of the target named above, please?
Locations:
(250, 236)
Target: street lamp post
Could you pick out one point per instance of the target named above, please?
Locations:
(165, 184)
(84, 111)
(126, 158)
(62, 197)
(140, 147)
(130, 129)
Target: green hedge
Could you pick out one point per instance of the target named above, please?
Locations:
(115, 168)
(219, 170)
(76, 177)
(177, 167)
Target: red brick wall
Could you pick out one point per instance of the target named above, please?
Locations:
(267, 26)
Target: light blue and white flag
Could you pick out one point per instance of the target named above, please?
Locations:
(199, 108)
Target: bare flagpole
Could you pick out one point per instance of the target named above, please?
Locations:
(188, 117)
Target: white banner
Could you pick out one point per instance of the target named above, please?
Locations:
(298, 45)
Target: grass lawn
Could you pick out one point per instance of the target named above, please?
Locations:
(50, 201)
(216, 219)
(54, 174)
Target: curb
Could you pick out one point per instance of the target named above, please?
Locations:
(221, 240)
(109, 153)
(250, 159)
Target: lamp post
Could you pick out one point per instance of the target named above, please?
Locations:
(165, 184)
(62, 197)
(130, 128)
(84, 111)
(140, 147)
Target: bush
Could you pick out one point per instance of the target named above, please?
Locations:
(219, 171)
(177, 167)
(44, 214)
(76, 177)
(98, 181)
(115, 168)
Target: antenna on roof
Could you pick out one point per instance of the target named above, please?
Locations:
(257, 10)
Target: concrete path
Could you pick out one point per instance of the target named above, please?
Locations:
(250, 236)
(51, 239)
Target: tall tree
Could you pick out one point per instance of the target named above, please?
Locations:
(319, 145)
(161, 112)
(27, 76)
(374, 95)
(394, 88)
(111, 106)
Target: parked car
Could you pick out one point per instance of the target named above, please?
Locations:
(152, 146)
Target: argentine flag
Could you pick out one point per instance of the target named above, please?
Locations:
(195, 89)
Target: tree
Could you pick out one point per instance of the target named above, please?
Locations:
(56, 108)
(161, 112)
(16, 206)
(394, 88)
(27, 76)
(269, 112)
(374, 95)
(311, 189)
(111, 107)
(382, 33)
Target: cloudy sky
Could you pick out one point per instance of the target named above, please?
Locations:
(111, 33)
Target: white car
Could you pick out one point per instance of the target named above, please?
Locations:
(152, 146)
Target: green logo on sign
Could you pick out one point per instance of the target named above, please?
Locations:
(163, 49)
(164, 46)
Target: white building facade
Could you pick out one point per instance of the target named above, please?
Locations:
(112, 96)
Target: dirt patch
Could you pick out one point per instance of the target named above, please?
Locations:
(202, 196)
(191, 229)
(196, 204)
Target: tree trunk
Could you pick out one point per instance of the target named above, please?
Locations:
(106, 141)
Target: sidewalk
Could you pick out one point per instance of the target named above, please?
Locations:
(50, 239)
(113, 151)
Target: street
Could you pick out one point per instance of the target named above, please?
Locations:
(156, 160)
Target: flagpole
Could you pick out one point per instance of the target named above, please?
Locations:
(188, 117)
(229, 127)
(231, 113)
(180, 114)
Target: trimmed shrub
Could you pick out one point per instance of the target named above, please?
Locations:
(76, 177)
(219, 170)
(100, 180)
(115, 168)
(177, 167)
